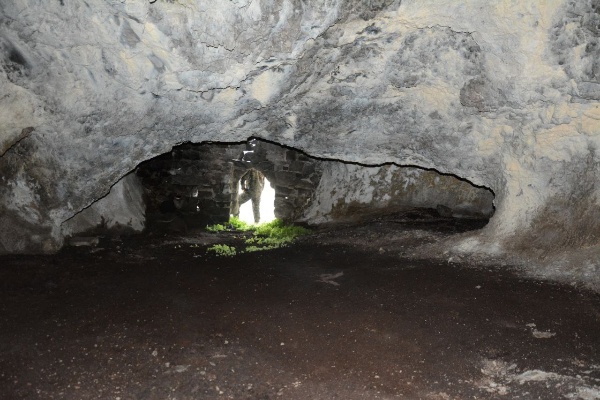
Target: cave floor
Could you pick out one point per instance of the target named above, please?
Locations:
(150, 317)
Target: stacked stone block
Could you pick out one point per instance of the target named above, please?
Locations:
(201, 180)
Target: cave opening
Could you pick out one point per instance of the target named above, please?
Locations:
(254, 204)
(195, 185)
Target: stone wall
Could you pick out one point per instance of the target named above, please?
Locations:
(193, 181)
(198, 181)
(201, 177)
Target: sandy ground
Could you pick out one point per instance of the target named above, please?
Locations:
(330, 317)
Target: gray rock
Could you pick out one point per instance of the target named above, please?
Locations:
(502, 97)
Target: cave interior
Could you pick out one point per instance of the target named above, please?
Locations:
(299, 199)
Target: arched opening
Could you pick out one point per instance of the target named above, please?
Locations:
(196, 185)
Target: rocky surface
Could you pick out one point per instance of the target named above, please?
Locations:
(122, 210)
(504, 94)
(350, 192)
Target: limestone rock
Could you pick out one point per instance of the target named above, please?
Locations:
(501, 94)
(122, 210)
(347, 192)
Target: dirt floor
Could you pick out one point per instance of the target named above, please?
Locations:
(344, 314)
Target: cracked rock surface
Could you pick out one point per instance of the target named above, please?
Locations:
(505, 95)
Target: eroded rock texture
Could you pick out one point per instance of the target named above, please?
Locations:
(349, 192)
(122, 210)
(504, 94)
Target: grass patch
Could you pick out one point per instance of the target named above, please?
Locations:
(234, 224)
(216, 228)
(250, 249)
(240, 225)
(278, 229)
(273, 235)
(223, 250)
(268, 236)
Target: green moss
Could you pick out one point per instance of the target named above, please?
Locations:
(251, 249)
(277, 228)
(268, 236)
(234, 224)
(223, 250)
(275, 234)
(240, 225)
(216, 228)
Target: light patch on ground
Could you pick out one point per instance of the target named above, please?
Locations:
(535, 376)
(540, 334)
(329, 278)
(585, 394)
(505, 378)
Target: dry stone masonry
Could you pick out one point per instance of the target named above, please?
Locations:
(200, 181)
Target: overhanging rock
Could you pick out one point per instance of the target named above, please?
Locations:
(502, 95)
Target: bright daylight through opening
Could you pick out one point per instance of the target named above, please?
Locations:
(267, 206)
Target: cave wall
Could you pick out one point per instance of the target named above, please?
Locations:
(350, 192)
(122, 210)
(503, 94)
